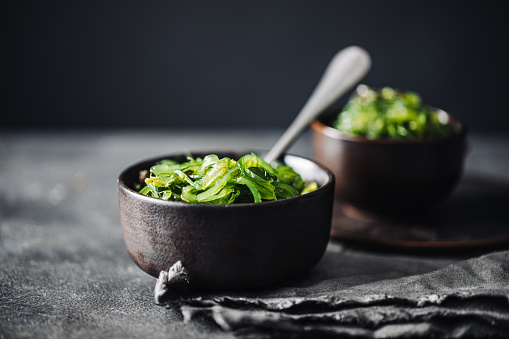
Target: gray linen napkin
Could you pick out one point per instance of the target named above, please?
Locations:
(466, 299)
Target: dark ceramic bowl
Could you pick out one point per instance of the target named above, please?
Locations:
(238, 246)
(390, 177)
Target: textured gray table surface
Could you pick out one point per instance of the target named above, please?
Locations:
(64, 270)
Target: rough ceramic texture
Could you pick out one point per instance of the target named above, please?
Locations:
(229, 246)
(390, 176)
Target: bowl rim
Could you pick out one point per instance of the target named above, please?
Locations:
(320, 127)
(122, 185)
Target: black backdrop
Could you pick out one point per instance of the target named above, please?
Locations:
(226, 64)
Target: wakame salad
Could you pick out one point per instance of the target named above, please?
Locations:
(214, 180)
(390, 113)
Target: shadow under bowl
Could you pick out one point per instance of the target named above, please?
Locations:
(237, 246)
(390, 177)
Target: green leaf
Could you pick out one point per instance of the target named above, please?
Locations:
(212, 180)
(252, 160)
(389, 113)
(284, 191)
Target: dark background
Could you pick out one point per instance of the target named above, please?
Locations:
(247, 64)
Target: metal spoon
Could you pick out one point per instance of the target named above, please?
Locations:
(345, 69)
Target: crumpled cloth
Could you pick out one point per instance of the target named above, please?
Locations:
(466, 299)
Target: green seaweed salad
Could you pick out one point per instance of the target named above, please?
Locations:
(214, 180)
(390, 113)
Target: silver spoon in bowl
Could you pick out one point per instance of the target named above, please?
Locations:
(345, 69)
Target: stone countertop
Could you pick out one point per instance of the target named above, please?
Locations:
(64, 270)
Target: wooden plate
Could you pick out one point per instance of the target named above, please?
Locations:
(475, 216)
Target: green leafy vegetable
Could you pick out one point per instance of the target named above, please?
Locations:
(388, 113)
(212, 180)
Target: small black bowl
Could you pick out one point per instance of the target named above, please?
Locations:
(390, 177)
(238, 246)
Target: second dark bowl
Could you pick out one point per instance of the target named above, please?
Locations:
(390, 177)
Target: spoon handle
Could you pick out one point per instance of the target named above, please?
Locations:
(345, 69)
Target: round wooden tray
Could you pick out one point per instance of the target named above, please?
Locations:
(476, 216)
